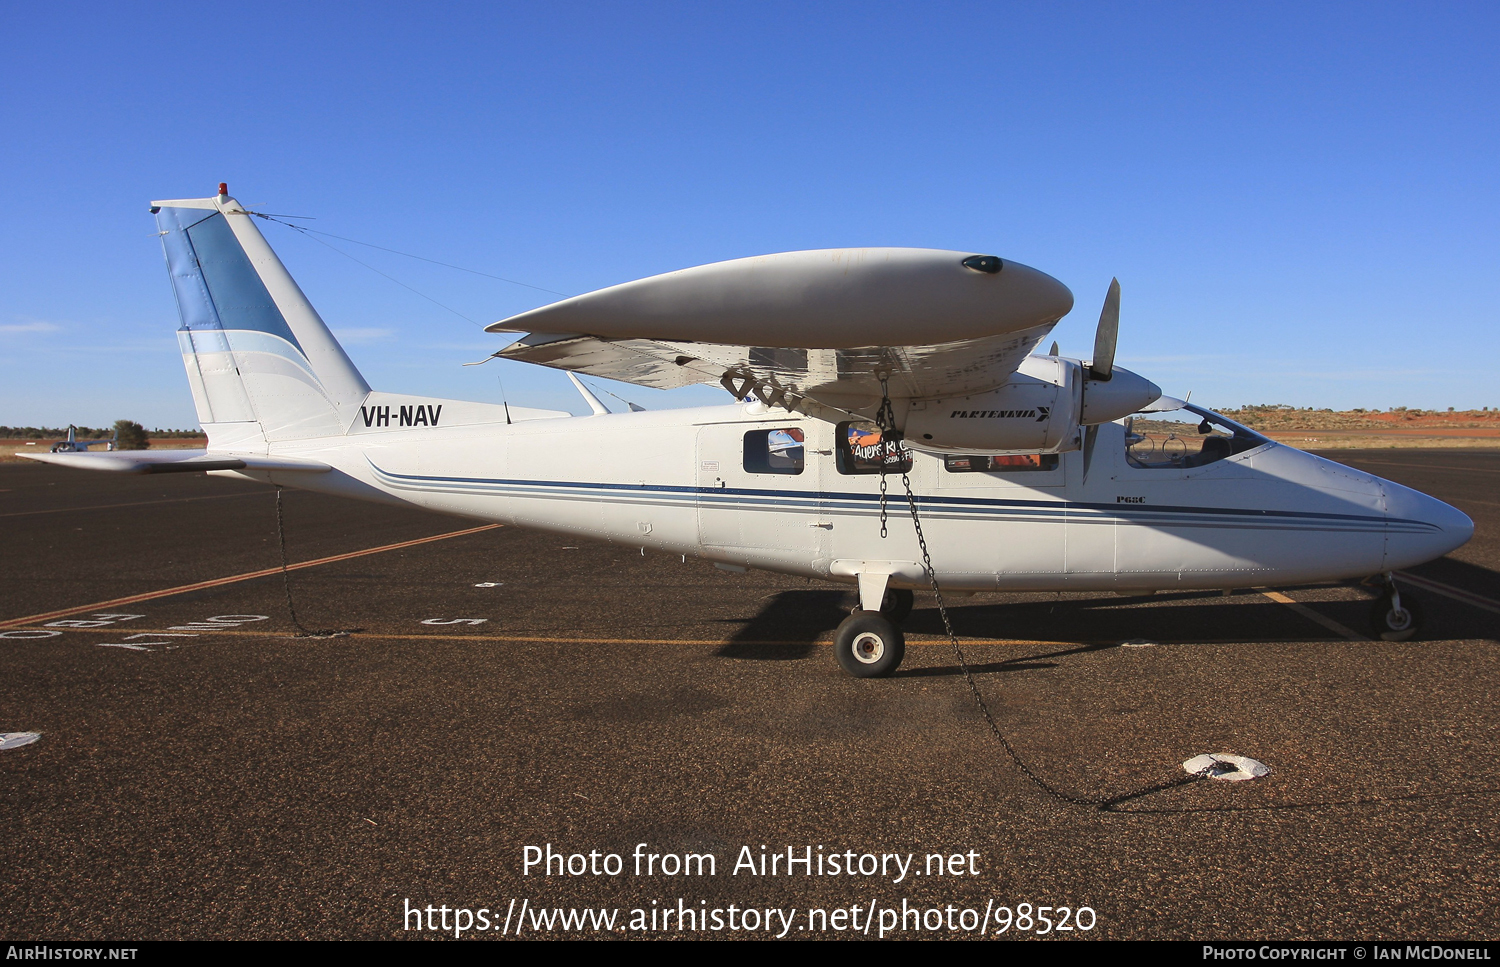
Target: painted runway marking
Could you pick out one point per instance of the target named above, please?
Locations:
(138, 503)
(698, 642)
(219, 622)
(1471, 500)
(1312, 615)
(1423, 466)
(217, 582)
(1449, 591)
(101, 619)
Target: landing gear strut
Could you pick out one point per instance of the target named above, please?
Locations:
(897, 603)
(1396, 616)
(869, 643)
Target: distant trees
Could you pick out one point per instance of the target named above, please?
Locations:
(84, 433)
(130, 435)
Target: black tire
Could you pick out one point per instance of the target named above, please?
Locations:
(868, 645)
(897, 604)
(1391, 627)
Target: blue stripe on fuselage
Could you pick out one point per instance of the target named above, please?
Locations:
(755, 499)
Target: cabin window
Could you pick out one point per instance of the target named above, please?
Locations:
(775, 451)
(1184, 438)
(861, 449)
(1001, 463)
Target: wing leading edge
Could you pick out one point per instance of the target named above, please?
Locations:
(807, 329)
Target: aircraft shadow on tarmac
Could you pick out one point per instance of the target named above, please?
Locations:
(789, 623)
(1461, 574)
(793, 620)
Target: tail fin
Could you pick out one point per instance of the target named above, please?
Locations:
(262, 364)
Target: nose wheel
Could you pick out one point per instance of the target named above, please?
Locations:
(869, 645)
(1397, 615)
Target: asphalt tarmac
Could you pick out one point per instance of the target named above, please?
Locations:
(201, 773)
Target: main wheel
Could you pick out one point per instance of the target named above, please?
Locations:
(1391, 625)
(868, 645)
(897, 604)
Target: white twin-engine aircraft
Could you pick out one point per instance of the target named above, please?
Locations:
(850, 368)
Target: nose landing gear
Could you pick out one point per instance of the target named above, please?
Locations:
(1396, 616)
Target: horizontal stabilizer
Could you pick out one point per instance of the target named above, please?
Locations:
(175, 461)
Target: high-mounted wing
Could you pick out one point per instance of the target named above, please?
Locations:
(807, 330)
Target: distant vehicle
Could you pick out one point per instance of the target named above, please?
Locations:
(851, 368)
(74, 445)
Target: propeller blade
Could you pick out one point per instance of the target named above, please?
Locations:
(1103, 364)
(1090, 434)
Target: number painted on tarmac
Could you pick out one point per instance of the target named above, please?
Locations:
(454, 621)
(101, 620)
(221, 622)
(29, 635)
(133, 645)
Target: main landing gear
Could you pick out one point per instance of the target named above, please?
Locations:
(869, 644)
(1396, 616)
(897, 603)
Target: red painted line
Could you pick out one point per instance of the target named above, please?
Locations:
(233, 578)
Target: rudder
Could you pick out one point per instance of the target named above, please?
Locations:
(262, 364)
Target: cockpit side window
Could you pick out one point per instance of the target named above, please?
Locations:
(1001, 463)
(1184, 438)
(775, 451)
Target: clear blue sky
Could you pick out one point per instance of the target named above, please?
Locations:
(1300, 200)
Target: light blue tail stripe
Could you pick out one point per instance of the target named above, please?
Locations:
(217, 286)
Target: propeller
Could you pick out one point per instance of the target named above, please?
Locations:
(1103, 364)
(1108, 395)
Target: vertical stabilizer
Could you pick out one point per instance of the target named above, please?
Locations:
(262, 364)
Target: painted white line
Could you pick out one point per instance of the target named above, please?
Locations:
(1449, 591)
(1423, 466)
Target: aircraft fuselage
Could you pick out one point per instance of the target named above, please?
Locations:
(683, 481)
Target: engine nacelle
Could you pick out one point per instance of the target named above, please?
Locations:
(1036, 412)
(1039, 410)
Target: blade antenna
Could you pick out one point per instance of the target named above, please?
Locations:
(503, 401)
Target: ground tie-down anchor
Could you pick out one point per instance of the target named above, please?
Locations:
(1226, 767)
(1102, 803)
(286, 582)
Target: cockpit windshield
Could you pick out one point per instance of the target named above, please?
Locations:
(1187, 436)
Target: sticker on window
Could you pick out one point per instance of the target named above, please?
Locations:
(863, 449)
